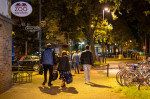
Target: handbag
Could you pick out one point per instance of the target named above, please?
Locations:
(68, 77)
(55, 75)
(41, 70)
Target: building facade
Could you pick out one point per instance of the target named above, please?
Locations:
(5, 46)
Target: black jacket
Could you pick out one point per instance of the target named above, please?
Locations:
(86, 58)
(63, 64)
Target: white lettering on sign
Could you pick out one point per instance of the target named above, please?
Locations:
(21, 9)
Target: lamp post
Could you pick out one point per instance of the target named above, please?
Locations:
(105, 9)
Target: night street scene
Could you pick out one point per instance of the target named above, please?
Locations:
(75, 49)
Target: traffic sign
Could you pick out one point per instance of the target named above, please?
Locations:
(43, 23)
(32, 28)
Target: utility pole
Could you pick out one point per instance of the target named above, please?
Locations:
(26, 47)
(40, 29)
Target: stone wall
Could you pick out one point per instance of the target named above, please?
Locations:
(5, 53)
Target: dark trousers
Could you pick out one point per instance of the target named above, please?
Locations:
(46, 67)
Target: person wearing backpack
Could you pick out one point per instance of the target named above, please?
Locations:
(47, 61)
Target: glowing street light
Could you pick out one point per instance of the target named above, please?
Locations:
(92, 26)
(105, 9)
(130, 40)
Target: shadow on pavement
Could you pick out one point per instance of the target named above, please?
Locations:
(69, 90)
(54, 90)
(97, 85)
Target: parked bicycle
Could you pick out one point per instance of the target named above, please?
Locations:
(134, 74)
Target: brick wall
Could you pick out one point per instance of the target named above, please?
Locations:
(5, 53)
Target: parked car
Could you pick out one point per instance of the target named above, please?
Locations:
(15, 65)
(29, 62)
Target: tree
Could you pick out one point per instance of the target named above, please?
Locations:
(133, 20)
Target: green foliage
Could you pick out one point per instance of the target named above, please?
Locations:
(132, 21)
(133, 92)
(97, 63)
(102, 33)
(75, 17)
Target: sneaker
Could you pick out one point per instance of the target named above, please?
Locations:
(63, 85)
(44, 83)
(49, 84)
(89, 81)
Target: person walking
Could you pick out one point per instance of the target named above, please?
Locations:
(47, 61)
(87, 62)
(79, 54)
(63, 67)
(75, 61)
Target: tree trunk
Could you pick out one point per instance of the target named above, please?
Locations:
(91, 39)
(92, 48)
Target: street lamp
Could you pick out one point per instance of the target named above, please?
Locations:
(82, 43)
(92, 26)
(105, 9)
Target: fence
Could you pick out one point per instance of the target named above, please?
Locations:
(19, 76)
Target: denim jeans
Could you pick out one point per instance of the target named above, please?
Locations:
(76, 66)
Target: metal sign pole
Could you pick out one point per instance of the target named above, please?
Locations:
(40, 30)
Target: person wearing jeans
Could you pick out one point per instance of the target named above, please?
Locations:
(87, 62)
(75, 61)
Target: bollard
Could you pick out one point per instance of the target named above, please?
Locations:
(105, 59)
(107, 70)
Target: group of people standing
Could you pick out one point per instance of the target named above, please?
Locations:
(48, 60)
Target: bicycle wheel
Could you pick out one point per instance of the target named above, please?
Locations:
(122, 77)
(131, 79)
(145, 82)
(118, 77)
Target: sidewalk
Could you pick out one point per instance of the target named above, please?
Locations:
(100, 87)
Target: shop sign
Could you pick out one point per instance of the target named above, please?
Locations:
(21, 9)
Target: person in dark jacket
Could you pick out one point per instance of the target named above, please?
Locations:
(63, 67)
(47, 61)
(87, 62)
